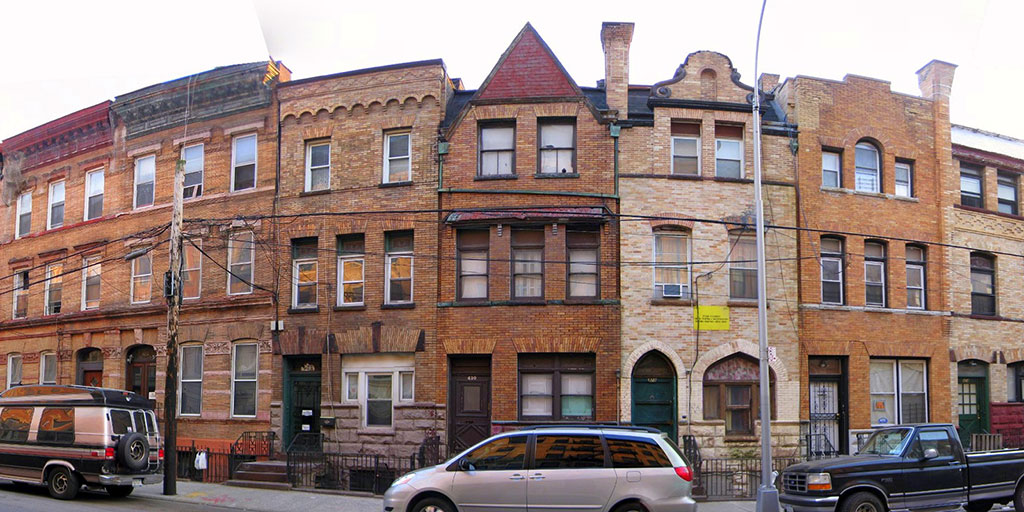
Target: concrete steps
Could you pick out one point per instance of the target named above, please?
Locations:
(262, 475)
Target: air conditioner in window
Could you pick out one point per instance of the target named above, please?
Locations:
(672, 290)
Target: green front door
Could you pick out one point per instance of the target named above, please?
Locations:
(654, 394)
(973, 394)
(301, 397)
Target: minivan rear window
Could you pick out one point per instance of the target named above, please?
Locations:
(568, 452)
(121, 421)
(635, 452)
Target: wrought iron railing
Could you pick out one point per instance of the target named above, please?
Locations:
(733, 479)
(249, 447)
(217, 468)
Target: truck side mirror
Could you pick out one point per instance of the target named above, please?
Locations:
(930, 453)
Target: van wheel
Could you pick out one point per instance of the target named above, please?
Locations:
(62, 483)
(978, 506)
(119, 491)
(862, 502)
(630, 507)
(433, 505)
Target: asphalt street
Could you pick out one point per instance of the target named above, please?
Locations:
(36, 499)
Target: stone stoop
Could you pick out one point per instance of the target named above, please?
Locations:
(262, 475)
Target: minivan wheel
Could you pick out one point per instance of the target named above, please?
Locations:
(862, 502)
(63, 483)
(433, 505)
(630, 507)
(119, 491)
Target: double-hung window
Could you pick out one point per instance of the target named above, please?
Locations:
(244, 371)
(904, 172)
(91, 269)
(899, 391)
(243, 162)
(21, 284)
(318, 166)
(874, 274)
(971, 189)
(557, 147)
(743, 266)
(866, 176)
(24, 226)
(556, 387)
(397, 157)
(473, 246)
(13, 370)
(583, 247)
(686, 148)
(47, 368)
(983, 284)
(53, 288)
(55, 210)
(193, 167)
(831, 271)
(671, 265)
(94, 194)
(142, 278)
(497, 150)
(145, 181)
(240, 267)
(916, 277)
(527, 263)
(831, 169)
(1007, 192)
(192, 269)
(729, 151)
(351, 261)
(399, 271)
(304, 273)
(190, 401)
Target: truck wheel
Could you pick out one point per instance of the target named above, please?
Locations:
(978, 506)
(862, 502)
(62, 483)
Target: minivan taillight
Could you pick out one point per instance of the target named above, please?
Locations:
(685, 473)
(108, 453)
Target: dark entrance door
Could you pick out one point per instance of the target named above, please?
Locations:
(827, 431)
(301, 397)
(972, 387)
(90, 367)
(654, 393)
(141, 375)
(469, 397)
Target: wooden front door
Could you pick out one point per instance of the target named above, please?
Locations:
(92, 378)
(973, 408)
(141, 371)
(469, 401)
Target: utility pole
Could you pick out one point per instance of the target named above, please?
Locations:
(767, 494)
(173, 297)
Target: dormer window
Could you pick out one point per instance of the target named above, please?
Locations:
(497, 150)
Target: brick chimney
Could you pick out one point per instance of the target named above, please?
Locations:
(936, 79)
(615, 39)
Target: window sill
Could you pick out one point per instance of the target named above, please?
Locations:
(353, 307)
(745, 303)
(730, 438)
(403, 305)
(985, 210)
(879, 195)
(315, 192)
(731, 179)
(407, 183)
(671, 302)
(302, 311)
(496, 177)
(376, 431)
(584, 301)
(557, 175)
(527, 302)
(695, 177)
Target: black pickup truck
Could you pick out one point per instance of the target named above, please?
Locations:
(911, 467)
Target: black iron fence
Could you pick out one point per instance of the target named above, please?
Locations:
(249, 447)
(732, 479)
(216, 469)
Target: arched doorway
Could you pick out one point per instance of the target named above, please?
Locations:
(90, 367)
(654, 393)
(972, 398)
(140, 372)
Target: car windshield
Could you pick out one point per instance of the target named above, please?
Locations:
(887, 442)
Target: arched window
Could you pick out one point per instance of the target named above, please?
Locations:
(983, 284)
(867, 163)
(731, 393)
(90, 367)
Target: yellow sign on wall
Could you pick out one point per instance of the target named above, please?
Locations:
(711, 318)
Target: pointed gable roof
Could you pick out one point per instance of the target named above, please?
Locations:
(527, 69)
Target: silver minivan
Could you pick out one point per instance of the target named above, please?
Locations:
(554, 469)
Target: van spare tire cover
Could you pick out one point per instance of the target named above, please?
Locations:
(133, 451)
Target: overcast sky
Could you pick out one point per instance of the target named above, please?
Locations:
(61, 56)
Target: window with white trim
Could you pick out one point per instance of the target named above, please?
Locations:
(671, 265)
(94, 184)
(194, 163)
(397, 157)
(145, 181)
(243, 162)
(55, 209)
(916, 277)
(686, 148)
(91, 272)
(240, 259)
(318, 166)
(21, 284)
(831, 270)
(743, 266)
(377, 382)
(899, 391)
(13, 370)
(867, 177)
(54, 288)
(47, 368)
(874, 274)
(399, 271)
(244, 372)
(24, 225)
(192, 270)
(351, 261)
(904, 173)
(190, 387)
(142, 279)
(831, 169)
(304, 273)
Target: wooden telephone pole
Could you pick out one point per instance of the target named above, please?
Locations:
(172, 292)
